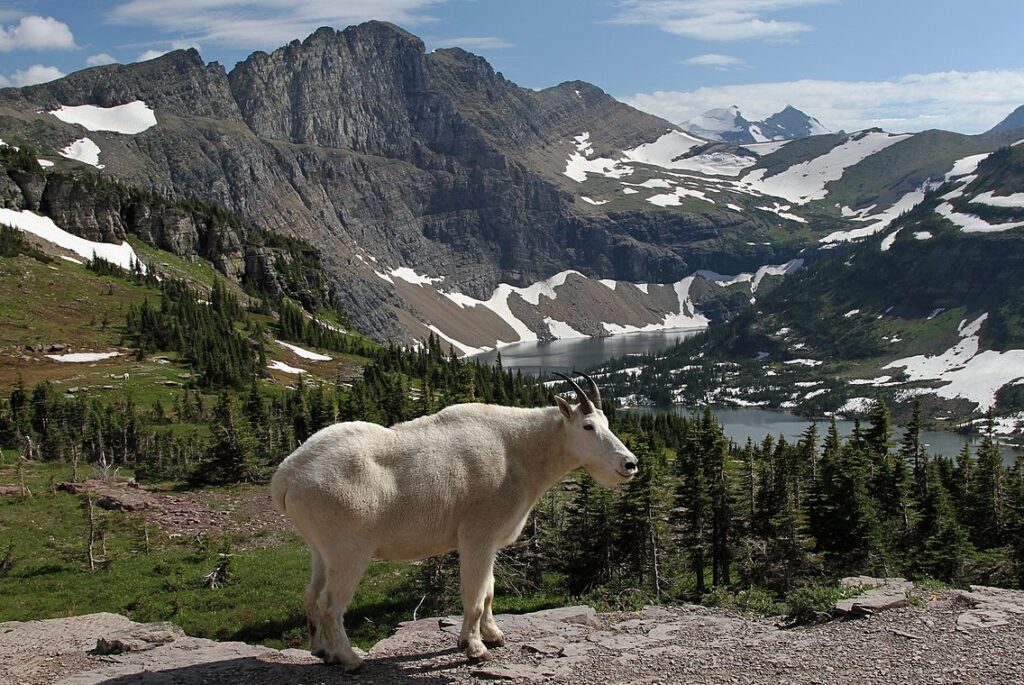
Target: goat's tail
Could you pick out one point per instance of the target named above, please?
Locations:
(279, 489)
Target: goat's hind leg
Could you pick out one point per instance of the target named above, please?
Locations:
(476, 565)
(489, 631)
(314, 617)
(345, 565)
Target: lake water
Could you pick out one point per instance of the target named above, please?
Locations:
(739, 423)
(582, 353)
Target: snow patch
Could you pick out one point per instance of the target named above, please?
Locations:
(857, 405)
(922, 235)
(83, 150)
(305, 354)
(131, 118)
(880, 221)
(1015, 200)
(281, 366)
(123, 255)
(969, 223)
(82, 357)
(781, 211)
(560, 329)
(410, 276)
(592, 201)
(806, 181)
(967, 373)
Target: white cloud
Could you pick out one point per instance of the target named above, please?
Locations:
(474, 43)
(36, 73)
(721, 62)
(150, 54)
(969, 102)
(262, 23)
(720, 20)
(36, 33)
(100, 59)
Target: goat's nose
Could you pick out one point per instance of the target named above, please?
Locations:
(631, 465)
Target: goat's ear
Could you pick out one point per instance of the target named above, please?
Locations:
(564, 406)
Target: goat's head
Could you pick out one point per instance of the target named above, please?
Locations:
(591, 441)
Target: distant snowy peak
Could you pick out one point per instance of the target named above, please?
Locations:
(790, 124)
(725, 124)
(729, 126)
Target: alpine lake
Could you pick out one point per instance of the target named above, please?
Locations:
(740, 423)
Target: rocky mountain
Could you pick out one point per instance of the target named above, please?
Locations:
(446, 199)
(1013, 122)
(727, 125)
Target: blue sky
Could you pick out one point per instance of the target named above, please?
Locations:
(904, 65)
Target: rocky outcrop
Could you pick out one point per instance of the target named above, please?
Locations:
(915, 643)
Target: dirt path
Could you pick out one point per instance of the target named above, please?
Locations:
(944, 637)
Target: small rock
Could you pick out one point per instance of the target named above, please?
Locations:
(138, 640)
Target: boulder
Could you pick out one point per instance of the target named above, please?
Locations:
(882, 594)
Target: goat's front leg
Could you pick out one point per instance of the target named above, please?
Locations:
(476, 565)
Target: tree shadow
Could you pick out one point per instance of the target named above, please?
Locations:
(255, 671)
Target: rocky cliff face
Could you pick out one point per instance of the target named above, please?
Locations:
(102, 211)
(372, 149)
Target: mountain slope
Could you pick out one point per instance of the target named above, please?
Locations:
(1014, 121)
(395, 161)
(932, 310)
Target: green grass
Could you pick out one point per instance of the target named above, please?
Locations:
(262, 602)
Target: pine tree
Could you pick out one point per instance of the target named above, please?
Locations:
(986, 496)
(229, 457)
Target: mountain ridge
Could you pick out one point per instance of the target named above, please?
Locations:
(728, 125)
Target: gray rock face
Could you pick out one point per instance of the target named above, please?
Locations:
(366, 146)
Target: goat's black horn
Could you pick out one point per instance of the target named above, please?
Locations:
(595, 394)
(585, 403)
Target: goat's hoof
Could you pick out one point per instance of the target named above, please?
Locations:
(495, 642)
(356, 667)
(481, 658)
(320, 653)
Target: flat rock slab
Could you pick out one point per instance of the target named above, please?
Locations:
(932, 642)
(882, 594)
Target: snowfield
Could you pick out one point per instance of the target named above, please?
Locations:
(83, 150)
(131, 118)
(305, 354)
(281, 366)
(123, 255)
(966, 372)
(879, 221)
(1015, 200)
(970, 223)
(82, 357)
(410, 276)
(806, 181)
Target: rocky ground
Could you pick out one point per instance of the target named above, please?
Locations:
(244, 512)
(925, 637)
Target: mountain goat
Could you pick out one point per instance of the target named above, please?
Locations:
(464, 478)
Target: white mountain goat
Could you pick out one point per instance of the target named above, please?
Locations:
(464, 478)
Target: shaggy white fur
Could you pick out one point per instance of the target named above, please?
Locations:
(464, 478)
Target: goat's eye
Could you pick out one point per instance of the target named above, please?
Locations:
(588, 426)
